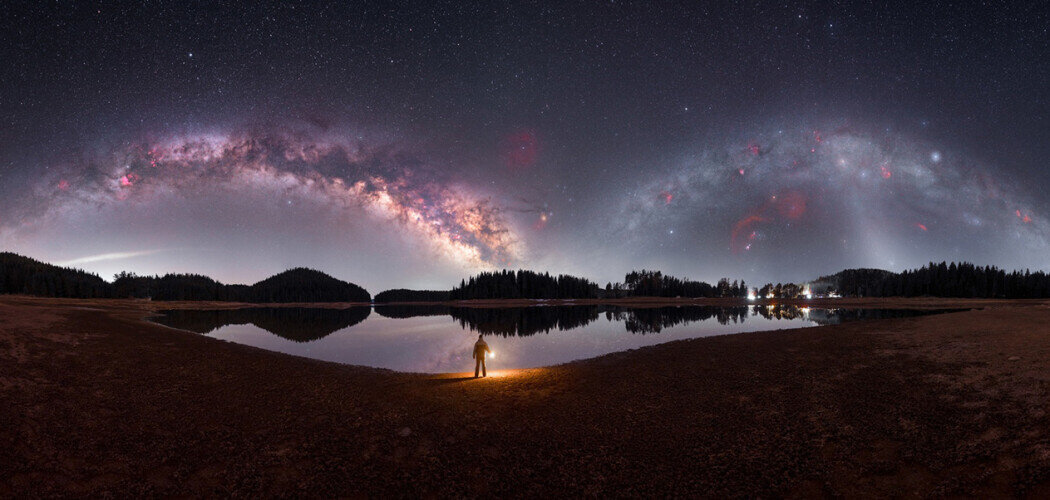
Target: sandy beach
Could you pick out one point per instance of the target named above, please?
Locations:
(98, 401)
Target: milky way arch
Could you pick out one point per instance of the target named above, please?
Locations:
(384, 181)
(882, 193)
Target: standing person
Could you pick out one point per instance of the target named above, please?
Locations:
(480, 349)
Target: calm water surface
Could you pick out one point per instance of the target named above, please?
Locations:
(438, 339)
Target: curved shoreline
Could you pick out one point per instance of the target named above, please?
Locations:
(637, 302)
(102, 402)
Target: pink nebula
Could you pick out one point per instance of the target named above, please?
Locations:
(520, 149)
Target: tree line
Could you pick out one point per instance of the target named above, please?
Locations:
(523, 285)
(647, 283)
(23, 275)
(404, 295)
(963, 280)
(294, 285)
(780, 291)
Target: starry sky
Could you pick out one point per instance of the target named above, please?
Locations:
(411, 144)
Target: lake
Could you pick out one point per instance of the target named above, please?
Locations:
(438, 339)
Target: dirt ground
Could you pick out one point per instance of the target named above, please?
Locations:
(96, 401)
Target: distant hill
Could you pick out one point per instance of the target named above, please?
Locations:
(852, 282)
(961, 279)
(23, 275)
(306, 285)
(295, 285)
(404, 295)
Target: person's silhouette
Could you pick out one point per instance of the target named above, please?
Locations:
(480, 349)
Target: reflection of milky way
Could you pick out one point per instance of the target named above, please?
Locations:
(823, 188)
(387, 184)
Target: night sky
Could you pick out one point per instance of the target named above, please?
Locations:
(412, 144)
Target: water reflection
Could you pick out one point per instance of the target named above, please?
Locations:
(523, 321)
(307, 324)
(410, 310)
(439, 339)
(655, 319)
(297, 324)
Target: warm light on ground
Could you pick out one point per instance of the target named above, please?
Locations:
(468, 376)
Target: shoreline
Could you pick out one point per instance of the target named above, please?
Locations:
(634, 302)
(102, 402)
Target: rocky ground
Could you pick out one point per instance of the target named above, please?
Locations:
(95, 401)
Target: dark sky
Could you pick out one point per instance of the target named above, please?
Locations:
(412, 144)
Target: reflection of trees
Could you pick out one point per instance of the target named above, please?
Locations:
(293, 323)
(836, 316)
(655, 319)
(788, 312)
(411, 311)
(306, 324)
(523, 321)
(531, 320)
